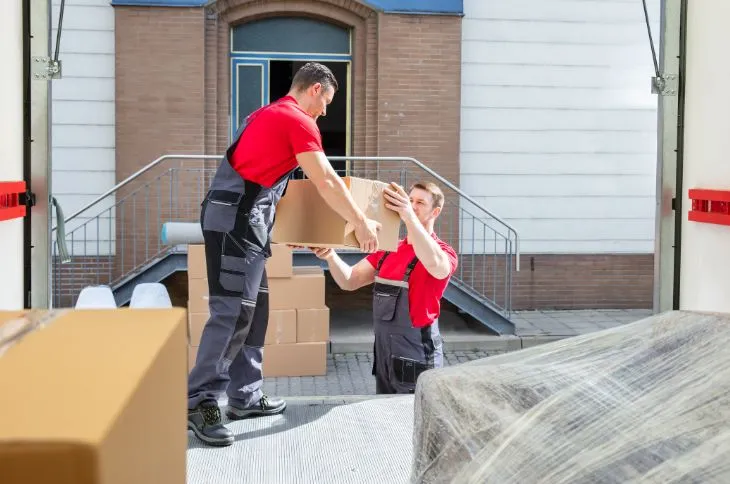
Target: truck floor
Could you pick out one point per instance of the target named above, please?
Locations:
(337, 440)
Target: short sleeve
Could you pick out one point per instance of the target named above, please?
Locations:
(304, 135)
(451, 254)
(375, 257)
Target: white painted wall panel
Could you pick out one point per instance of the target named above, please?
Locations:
(100, 113)
(83, 136)
(552, 164)
(82, 158)
(72, 88)
(98, 66)
(705, 263)
(517, 30)
(578, 11)
(505, 119)
(83, 112)
(560, 142)
(558, 121)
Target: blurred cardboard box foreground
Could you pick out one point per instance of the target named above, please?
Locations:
(93, 397)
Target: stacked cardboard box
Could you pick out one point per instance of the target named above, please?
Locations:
(298, 332)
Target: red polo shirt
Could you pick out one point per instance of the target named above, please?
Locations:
(276, 134)
(425, 291)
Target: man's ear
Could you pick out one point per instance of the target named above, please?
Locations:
(436, 212)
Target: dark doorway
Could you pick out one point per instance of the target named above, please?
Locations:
(333, 126)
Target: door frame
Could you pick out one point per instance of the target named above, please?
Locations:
(263, 59)
(236, 63)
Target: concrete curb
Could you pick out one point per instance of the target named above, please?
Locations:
(488, 344)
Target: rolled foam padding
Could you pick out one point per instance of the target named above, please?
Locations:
(174, 233)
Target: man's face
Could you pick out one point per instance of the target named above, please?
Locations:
(319, 98)
(422, 203)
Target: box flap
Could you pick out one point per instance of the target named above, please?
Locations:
(368, 195)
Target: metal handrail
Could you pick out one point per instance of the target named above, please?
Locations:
(134, 176)
(428, 170)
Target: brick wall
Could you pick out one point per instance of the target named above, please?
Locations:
(419, 90)
(160, 74)
(545, 281)
(159, 84)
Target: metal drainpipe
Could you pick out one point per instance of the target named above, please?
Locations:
(679, 196)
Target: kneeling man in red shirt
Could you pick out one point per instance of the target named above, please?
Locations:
(408, 286)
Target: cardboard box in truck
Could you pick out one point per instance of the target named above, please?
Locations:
(303, 217)
(94, 397)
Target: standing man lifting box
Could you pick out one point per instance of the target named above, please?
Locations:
(237, 217)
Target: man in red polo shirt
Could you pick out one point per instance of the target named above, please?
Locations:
(408, 286)
(237, 216)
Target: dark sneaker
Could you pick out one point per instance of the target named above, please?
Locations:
(205, 422)
(266, 406)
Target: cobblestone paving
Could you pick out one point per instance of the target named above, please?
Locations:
(347, 374)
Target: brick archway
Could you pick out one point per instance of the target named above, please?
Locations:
(347, 13)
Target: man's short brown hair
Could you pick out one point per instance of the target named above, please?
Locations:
(312, 73)
(436, 194)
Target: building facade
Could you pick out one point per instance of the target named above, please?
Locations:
(538, 109)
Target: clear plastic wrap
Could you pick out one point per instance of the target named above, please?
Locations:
(647, 402)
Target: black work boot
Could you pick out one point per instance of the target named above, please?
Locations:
(266, 406)
(205, 422)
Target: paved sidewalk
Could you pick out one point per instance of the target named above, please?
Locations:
(347, 374)
(349, 368)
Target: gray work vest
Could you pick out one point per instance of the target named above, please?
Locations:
(230, 197)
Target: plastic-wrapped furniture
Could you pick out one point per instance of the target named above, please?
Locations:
(647, 402)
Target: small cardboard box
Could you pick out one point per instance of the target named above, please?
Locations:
(303, 290)
(297, 359)
(130, 431)
(304, 218)
(313, 325)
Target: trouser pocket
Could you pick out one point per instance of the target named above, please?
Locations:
(220, 211)
(407, 361)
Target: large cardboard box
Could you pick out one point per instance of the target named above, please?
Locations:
(303, 290)
(282, 326)
(313, 325)
(297, 359)
(304, 218)
(96, 397)
(278, 265)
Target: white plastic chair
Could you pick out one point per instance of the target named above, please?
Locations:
(96, 297)
(150, 295)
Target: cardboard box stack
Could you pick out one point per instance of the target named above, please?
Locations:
(298, 332)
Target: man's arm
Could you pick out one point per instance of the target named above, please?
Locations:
(428, 251)
(333, 190)
(348, 278)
